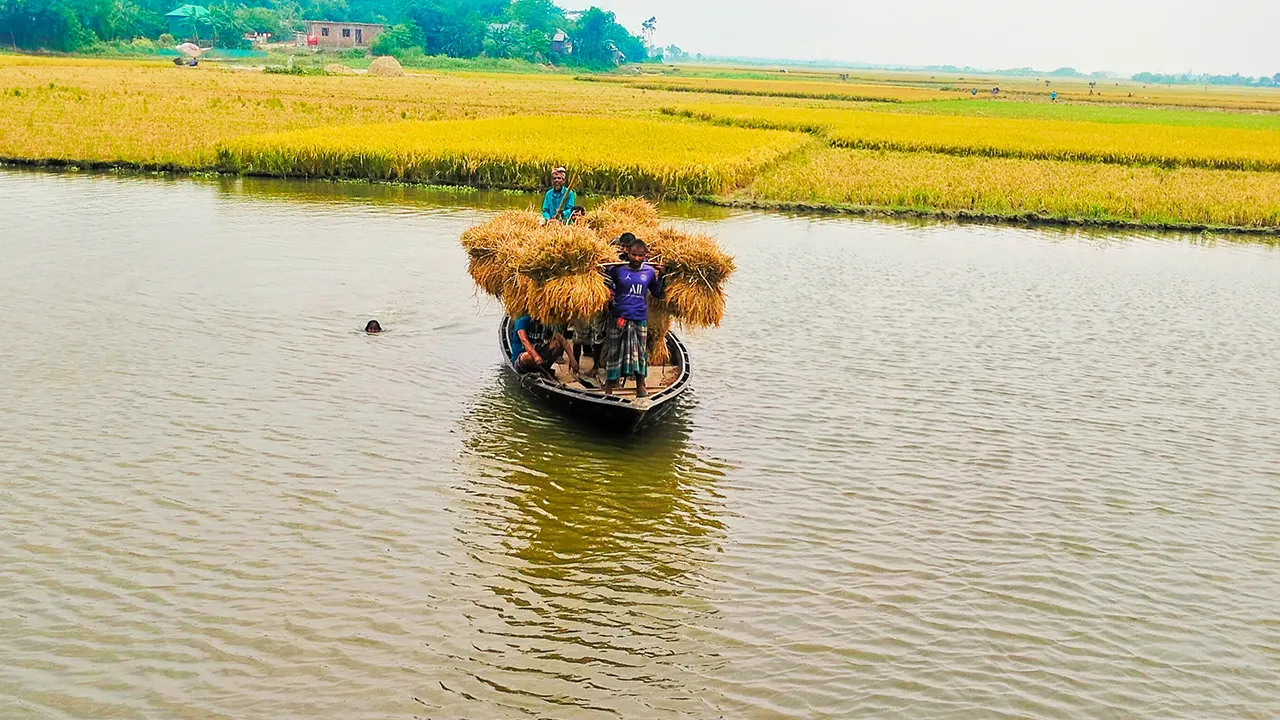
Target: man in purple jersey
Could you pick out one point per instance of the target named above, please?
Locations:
(595, 333)
(627, 337)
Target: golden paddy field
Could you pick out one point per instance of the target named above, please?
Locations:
(1038, 138)
(882, 142)
(1027, 189)
(606, 155)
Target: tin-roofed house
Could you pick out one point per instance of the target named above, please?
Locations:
(560, 43)
(332, 34)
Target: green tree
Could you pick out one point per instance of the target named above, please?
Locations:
(379, 11)
(232, 22)
(591, 38)
(43, 24)
(396, 40)
(542, 16)
(118, 19)
(505, 41)
(632, 47)
(597, 35)
(338, 10)
(449, 27)
(260, 20)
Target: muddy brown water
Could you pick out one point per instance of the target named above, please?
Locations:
(926, 471)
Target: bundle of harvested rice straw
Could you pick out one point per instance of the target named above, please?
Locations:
(552, 272)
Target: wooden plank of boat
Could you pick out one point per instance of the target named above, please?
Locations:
(622, 413)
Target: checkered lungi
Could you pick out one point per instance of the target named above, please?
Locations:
(628, 350)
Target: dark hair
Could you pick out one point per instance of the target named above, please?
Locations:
(625, 239)
(578, 209)
(373, 327)
(637, 243)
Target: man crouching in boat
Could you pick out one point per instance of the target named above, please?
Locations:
(627, 336)
(532, 353)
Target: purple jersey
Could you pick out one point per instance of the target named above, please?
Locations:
(629, 288)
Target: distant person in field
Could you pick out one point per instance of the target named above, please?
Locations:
(628, 331)
(559, 201)
(576, 214)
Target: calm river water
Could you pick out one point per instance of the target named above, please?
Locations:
(928, 471)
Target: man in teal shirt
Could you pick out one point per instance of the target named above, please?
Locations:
(559, 201)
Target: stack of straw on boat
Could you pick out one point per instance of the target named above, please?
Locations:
(695, 269)
(552, 272)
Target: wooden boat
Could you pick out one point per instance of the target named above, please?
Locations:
(621, 413)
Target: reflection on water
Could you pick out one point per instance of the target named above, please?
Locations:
(619, 505)
(393, 195)
(599, 544)
(390, 195)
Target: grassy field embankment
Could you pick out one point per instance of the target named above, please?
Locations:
(799, 89)
(749, 140)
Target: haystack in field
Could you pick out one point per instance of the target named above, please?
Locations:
(339, 69)
(386, 66)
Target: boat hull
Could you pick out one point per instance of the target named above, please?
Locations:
(593, 409)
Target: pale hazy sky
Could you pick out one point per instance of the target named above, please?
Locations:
(1127, 36)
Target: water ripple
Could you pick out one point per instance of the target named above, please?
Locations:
(926, 471)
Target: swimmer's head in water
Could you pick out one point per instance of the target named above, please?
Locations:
(373, 327)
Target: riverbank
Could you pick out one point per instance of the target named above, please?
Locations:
(696, 206)
(1268, 235)
(1023, 161)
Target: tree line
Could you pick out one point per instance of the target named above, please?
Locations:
(520, 29)
(1190, 79)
